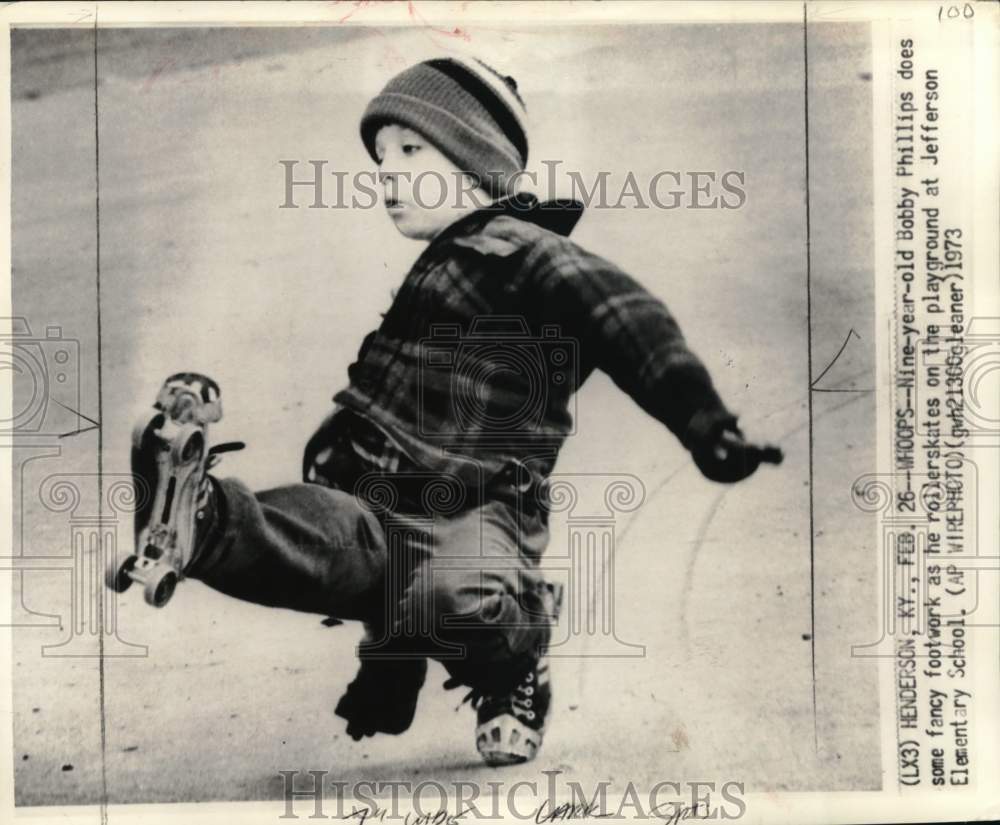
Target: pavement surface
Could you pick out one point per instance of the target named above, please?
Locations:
(745, 672)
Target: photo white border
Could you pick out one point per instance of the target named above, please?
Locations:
(818, 807)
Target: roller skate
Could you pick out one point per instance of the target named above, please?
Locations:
(170, 461)
(510, 726)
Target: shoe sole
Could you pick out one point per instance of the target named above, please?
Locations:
(507, 741)
(168, 463)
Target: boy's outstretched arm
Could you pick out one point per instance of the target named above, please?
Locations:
(630, 334)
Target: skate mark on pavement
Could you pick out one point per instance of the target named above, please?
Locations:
(689, 568)
(798, 401)
(706, 523)
(820, 416)
(660, 485)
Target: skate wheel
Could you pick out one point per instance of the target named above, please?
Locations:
(188, 445)
(160, 586)
(144, 427)
(116, 576)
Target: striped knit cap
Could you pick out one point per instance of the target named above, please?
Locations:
(470, 112)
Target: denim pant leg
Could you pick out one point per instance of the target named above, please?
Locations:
(474, 599)
(303, 546)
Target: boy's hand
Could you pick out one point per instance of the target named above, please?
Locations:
(729, 458)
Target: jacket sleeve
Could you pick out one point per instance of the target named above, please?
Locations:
(625, 331)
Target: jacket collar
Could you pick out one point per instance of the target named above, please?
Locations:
(559, 215)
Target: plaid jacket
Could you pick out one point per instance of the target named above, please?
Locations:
(498, 323)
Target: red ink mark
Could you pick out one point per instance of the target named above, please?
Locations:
(358, 5)
(159, 69)
(394, 54)
(455, 32)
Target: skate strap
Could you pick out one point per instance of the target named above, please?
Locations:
(227, 447)
(224, 447)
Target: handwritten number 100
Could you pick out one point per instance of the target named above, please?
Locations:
(954, 12)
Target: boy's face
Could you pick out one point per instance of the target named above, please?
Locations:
(423, 191)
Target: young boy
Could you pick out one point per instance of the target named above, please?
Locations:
(423, 511)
